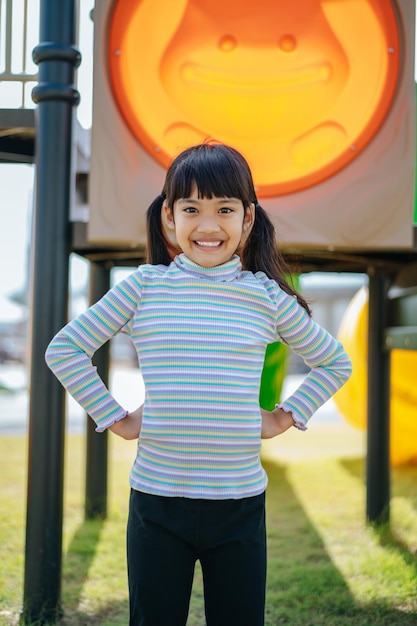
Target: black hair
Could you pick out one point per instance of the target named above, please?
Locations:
(157, 251)
(218, 170)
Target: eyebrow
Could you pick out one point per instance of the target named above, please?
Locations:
(219, 200)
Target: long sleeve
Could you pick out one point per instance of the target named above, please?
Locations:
(70, 351)
(330, 365)
(200, 335)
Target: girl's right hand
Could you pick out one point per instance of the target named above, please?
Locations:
(275, 422)
(129, 427)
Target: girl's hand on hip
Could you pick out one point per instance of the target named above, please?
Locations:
(275, 423)
(129, 427)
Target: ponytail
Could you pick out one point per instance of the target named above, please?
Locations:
(260, 253)
(158, 249)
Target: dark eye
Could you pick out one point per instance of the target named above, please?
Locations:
(190, 209)
(225, 209)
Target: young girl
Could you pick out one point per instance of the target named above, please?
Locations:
(200, 325)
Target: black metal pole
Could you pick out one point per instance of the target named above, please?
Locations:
(378, 443)
(96, 463)
(56, 97)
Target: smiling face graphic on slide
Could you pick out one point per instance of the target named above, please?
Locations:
(300, 87)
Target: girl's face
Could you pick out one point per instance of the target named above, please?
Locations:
(208, 230)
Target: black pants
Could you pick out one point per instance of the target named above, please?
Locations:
(165, 538)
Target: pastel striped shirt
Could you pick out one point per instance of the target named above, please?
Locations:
(200, 335)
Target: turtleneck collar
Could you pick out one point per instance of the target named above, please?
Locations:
(221, 273)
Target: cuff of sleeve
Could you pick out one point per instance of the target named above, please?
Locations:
(100, 428)
(298, 421)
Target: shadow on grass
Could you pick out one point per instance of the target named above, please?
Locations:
(78, 560)
(388, 538)
(403, 485)
(304, 586)
(112, 614)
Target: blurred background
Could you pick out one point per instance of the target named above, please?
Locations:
(328, 293)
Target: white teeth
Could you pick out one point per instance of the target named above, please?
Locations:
(209, 244)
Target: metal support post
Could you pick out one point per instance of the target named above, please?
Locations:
(56, 96)
(378, 460)
(96, 465)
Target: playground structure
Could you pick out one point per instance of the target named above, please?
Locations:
(352, 401)
(391, 268)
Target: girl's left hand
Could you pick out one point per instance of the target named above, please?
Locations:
(275, 423)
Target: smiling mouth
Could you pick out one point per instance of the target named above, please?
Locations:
(208, 244)
(194, 73)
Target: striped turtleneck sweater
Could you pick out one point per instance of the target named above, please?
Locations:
(200, 335)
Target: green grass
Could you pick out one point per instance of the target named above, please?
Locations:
(326, 565)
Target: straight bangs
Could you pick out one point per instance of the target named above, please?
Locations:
(215, 169)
